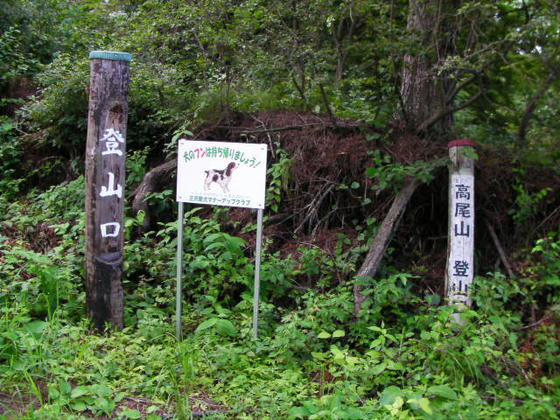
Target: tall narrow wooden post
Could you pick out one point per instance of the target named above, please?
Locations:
(460, 250)
(105, 176)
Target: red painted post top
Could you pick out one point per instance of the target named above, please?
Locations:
(461, 142)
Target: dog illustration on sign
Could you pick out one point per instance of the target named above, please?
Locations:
(222, 177)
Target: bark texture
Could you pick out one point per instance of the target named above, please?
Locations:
(427, 93)
(424, 88)
(148, 185)
(382, 240)
(108, 109)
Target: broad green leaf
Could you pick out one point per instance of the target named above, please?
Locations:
(377, 369)
(323, 335)
(53, 392)
(89, 400)
(396, 407)
(395, 365)
(214, 245)
(206, 324)
(152, 409)
(298, 413)
(65, 388)
(101, 390)
(375, 328)
(78, 405)
(352, 413)
(223, 326)
(131, 413)
(35, 327)
(338, 333)
(352, 361)
(107, 406)
(337, 353)
(442, 391)
(10, 335)
(377, 342)
(221, 310)
(424, 404)
(389, 395)
(200, 263)
(310, 407)
(420, 403)
(234, 244)
(79, 391)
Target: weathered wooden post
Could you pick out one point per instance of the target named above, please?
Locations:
(460, 249)
(105, 176)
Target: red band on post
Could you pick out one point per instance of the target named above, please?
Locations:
(461, 142)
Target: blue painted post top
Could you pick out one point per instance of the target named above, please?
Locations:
(110, 55)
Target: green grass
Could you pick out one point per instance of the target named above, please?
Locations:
(405, 358)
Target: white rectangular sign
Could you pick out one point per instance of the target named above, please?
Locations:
(221, 173)
(461, 233)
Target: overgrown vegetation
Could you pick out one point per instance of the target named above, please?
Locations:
(321, 82)
(406, 356)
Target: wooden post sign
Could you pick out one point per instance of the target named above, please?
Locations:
(221, 174)
(459, 273)
(105, 175)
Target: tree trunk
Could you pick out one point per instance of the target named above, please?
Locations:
(381, 242)
(152, 179)
(424, 97)
(424, 89)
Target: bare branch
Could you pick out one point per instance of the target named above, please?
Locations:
(459, 87)
(443, 113)
(327, 104)
(499, 248)
(532, 106)
(381, 242)
(300, 89)
(274, 129)
(539, 322)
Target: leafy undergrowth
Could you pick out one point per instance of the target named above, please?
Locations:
(407, 356)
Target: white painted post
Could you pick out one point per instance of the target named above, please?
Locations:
(257, 274)
(460, 250)
(179, 292)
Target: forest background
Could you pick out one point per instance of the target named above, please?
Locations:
(357, 101)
